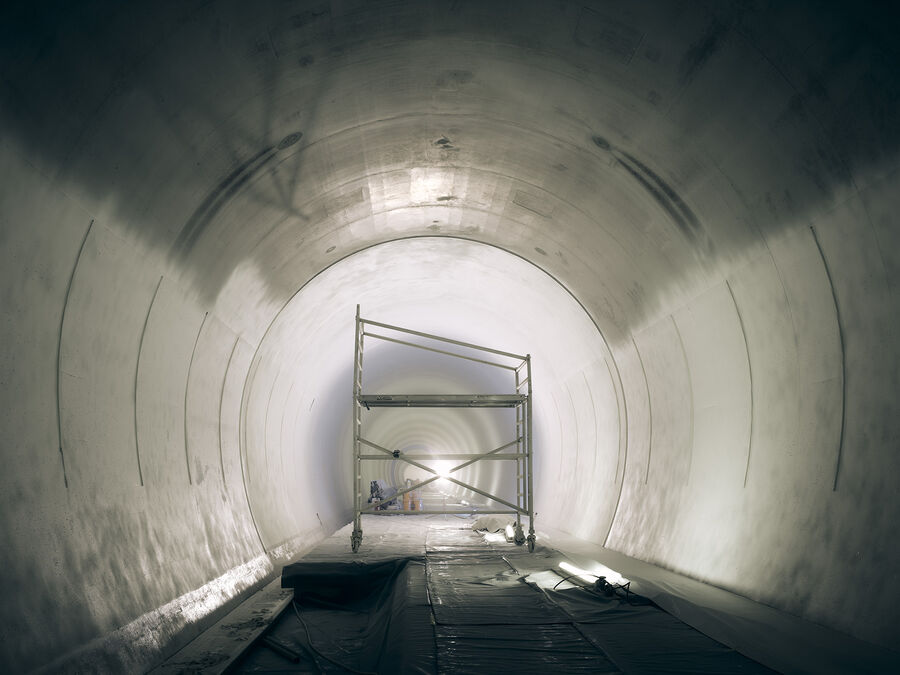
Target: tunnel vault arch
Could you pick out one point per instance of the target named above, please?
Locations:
(716, 187)
(466, 284)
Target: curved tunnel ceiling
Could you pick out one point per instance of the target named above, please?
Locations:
(712, 188)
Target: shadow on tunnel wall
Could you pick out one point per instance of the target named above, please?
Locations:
(182, 124)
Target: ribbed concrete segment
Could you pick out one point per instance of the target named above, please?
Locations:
(685, 212)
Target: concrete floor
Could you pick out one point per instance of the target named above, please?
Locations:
(751, 637)
(684, 211)
(466, 602)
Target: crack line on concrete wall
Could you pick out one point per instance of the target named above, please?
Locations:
(623, 421)
(283, 417)
(221, 401)
(266, 425)
(596, 434)
(687, 365)
(749, 374)
(187, 384)
(137, 372)
(62, 321)
(649, 410)
(575, 418)
(619, 390)
(242, 432)
(837, 318)
(561, 445)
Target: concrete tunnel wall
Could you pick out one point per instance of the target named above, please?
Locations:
(713, 187)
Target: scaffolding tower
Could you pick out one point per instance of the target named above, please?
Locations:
(517, 450)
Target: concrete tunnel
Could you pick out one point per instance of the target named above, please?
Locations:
(684, 211)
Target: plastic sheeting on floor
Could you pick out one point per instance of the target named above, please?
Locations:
(464, 605)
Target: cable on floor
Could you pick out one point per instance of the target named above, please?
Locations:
(317, 652)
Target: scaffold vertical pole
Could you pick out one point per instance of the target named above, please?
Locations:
(528, 452)
(521, 502)
(357, 534)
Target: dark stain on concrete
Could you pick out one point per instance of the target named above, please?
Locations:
(601, 142)
(260, 46)
(227, 188)
(699, 53)
(608, 35)
(452, 80)
(290, 140)
(444, 143)
(446, 198)
(327, 250)
(306, 60)
(662, 193)
(670, 201)
(310, 16)
(540, 250)
(217, 199)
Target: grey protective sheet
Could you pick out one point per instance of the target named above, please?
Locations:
(464, 605)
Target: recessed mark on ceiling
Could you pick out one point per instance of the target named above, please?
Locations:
(290, 139)
(347, 200)
(532, 203)
(444, 144)
(446, 198)
(601, 142)
(540, 250)
(605, 34)
(330, 249)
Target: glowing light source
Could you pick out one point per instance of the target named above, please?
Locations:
(510, 532)
(612, 576)
(443, 468)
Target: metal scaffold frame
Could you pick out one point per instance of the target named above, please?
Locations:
(520, 399)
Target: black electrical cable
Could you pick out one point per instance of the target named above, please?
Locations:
(319, 653)
(612, 587)
(571, 576)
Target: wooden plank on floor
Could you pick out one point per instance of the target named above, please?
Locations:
(215, 650)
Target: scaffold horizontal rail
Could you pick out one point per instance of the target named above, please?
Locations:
(442, 400)
(451, 456)
(431, 512)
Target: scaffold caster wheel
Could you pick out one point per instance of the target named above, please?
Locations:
(530, 543)
(355, 540)
(520, 535)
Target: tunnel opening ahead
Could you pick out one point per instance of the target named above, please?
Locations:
(443, 286)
